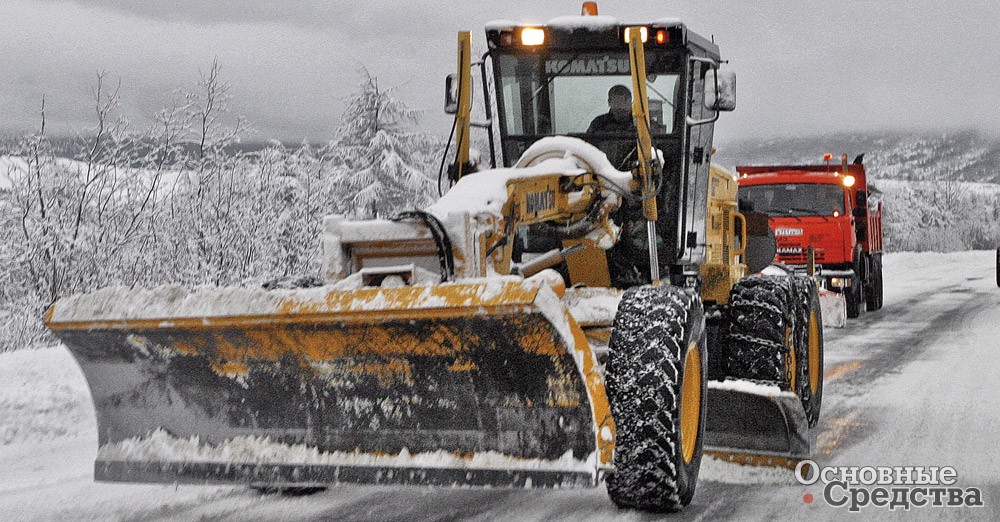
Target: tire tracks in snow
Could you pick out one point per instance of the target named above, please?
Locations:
(842, 424)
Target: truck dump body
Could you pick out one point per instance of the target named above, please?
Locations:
(461, 383)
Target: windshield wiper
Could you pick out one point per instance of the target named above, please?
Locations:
(535, 94)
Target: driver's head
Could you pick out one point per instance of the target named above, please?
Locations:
(620, 102)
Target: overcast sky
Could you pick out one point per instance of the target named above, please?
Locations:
(803, 67)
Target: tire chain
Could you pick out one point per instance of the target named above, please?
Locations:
(642, 381)
(761, 308)
(804, 390)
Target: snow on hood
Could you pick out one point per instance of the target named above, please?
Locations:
(486, 191)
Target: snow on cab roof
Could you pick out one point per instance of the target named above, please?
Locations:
(571, 22)
(590, 23)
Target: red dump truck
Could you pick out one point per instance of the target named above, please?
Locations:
(830, 208)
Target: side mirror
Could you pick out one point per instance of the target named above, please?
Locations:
(451, 94)
(720, 90)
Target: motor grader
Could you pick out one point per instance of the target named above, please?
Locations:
(579, 312)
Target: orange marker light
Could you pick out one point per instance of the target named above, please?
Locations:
(827, 157)
(532, 36)
(662, 37)
(589, 9)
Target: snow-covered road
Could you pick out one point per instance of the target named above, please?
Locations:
(914, 384)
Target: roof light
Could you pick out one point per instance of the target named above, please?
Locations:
(848, 181)
(662, 36)
(827, 157)
(532, 36)
(589, 9)
(836, 213)
(643, 33)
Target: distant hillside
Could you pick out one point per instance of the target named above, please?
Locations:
(957, 156)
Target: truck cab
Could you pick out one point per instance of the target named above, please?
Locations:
(833, 211)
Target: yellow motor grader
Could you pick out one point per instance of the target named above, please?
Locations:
(580, 312)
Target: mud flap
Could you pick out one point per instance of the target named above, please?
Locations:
(834, 307)
(457, 384)
(756, 424)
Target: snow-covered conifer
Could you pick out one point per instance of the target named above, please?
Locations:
(379, 175)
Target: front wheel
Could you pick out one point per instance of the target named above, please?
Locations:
(657, 388)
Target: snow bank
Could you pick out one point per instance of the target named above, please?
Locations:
(43, 396)
(161, 446)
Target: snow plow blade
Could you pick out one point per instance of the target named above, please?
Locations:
(834, 307)
(756, 424)
(454, 384)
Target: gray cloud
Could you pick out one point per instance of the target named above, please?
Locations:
(803, 67)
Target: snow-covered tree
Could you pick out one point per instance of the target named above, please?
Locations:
(378, 174)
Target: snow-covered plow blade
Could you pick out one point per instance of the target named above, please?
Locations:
(834, 308)
(755, 424)
(453, 384)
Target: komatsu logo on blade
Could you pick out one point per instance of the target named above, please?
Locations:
(539, 201)
(602, 65)
(788, 231)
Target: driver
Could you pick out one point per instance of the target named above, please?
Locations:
(619, 117)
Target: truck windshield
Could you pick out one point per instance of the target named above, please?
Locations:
(793, 199)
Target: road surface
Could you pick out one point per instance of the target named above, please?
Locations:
(914, 384)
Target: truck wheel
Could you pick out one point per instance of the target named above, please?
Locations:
(657, 388)
(878, 285)
(759, 331)
(873, 292)
(809, 348)
(854, 295)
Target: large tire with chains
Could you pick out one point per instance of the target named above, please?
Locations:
(656, 380)
(758, 330)
(809, 347)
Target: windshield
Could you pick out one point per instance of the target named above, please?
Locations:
(795, 199)
(582, 94)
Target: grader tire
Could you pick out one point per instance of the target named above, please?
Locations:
(657, 387)
(809, 348)
(759, 330)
